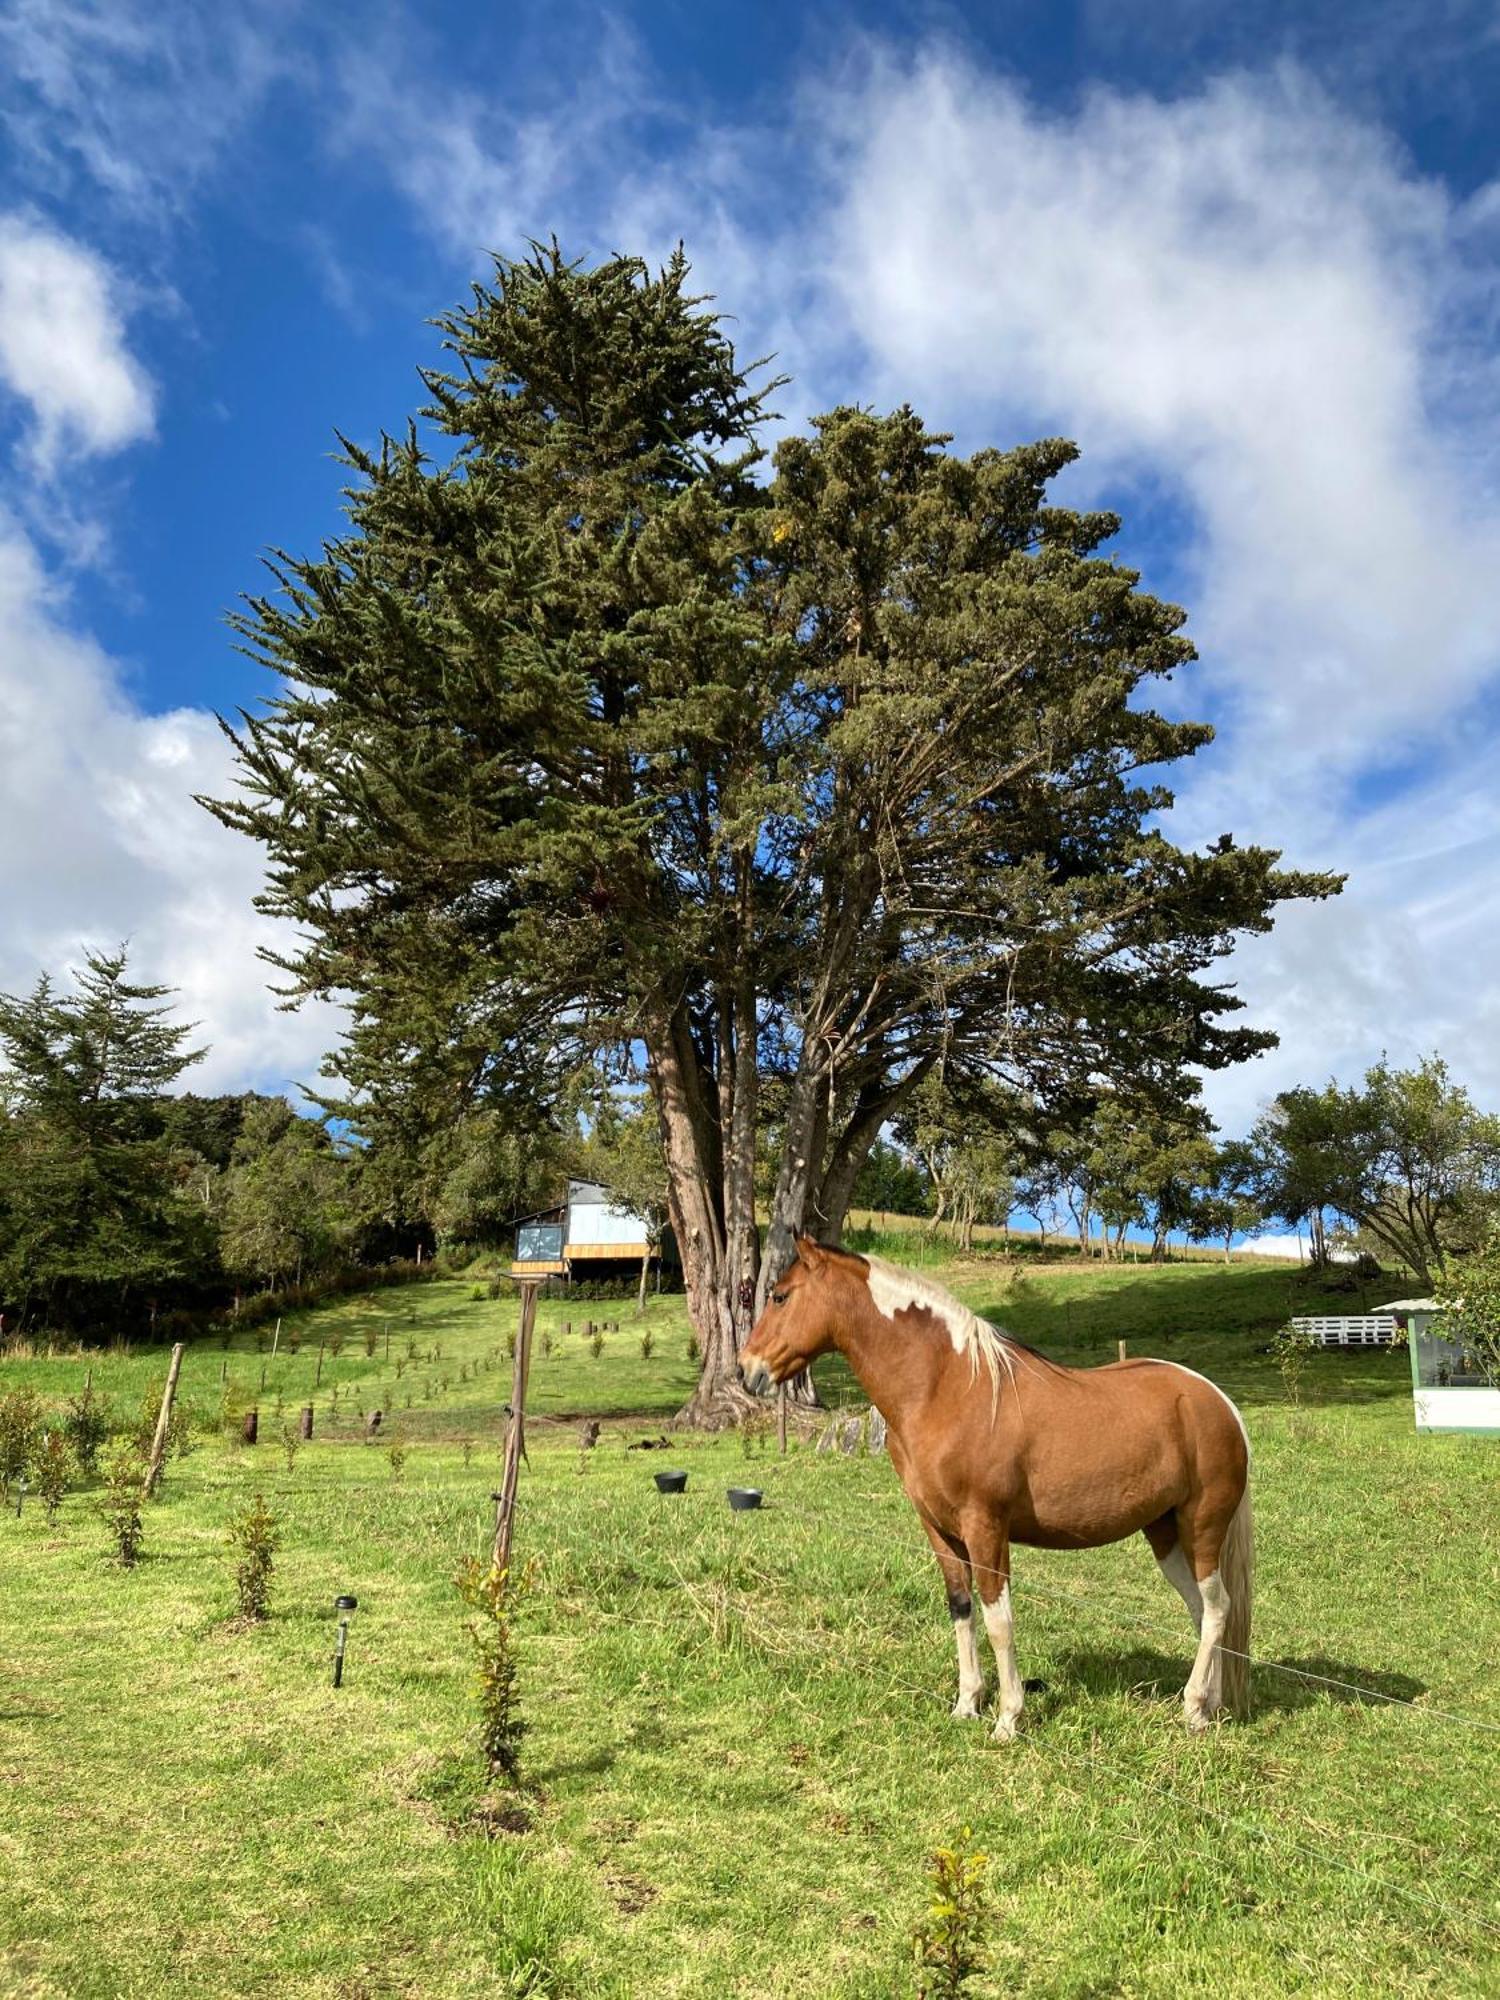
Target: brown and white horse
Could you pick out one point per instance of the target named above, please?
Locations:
(996, 1444)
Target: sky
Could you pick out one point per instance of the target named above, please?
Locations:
(1247, 258)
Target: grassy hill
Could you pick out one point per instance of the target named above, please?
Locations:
(739, 1751)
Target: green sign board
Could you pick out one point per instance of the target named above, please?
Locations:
(539, 1243)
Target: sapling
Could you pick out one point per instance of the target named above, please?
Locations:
(120, 1503)
(372, 1335)
(490, 1593)
(947, 1946)
(546, 1340)
(291, 1444)
(255, 1534)
(20, 1435)
(54, 1467)
(596, 1345)
(395, 1451)
(694, 1351)
(648, 1342)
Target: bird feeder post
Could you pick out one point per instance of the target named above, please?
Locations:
(163, 1422)
(515, 1436)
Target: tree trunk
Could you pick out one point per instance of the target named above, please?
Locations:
(640, 1297)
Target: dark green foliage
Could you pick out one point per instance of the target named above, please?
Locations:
(948, 1944)
(20, 1435)
(120, 1503)
(88, 1423)
(255, 1535)
(490, 1595)
(96, 1203)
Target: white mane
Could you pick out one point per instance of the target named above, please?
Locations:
(894, 1290)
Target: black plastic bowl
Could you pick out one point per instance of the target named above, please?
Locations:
(743, 1498)
(671, 1482)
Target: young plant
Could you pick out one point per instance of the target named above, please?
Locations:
(648, 1342)
(596, 1345)
(54, 1468)
(510, 1343)
(1292, 1347)
(395, 1452)
(120, 1502)
(491, 1596)
(255, 1534)
(336, 1342)
(372, 1336)
(291, 1444)
(467, 1448)
(20, 1435)
(693, 1351)
(546, 1340)
(947, 1946)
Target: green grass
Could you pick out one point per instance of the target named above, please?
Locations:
(739, 1749)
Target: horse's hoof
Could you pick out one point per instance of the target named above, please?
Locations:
(1006, 1729)
(966, 1708)
(1199, 1720)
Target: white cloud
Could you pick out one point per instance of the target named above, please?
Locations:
(62, 347)
(103, 842)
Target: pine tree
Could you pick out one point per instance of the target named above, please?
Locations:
(591, 750)
(91, 1215)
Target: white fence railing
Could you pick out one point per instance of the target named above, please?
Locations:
(1349, 1329)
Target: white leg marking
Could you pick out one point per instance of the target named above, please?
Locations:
(970, 1673)
(1001, 1628)
(1201, 1697)
(1178, 1571)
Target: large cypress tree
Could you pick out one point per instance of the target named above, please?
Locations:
(592, 749)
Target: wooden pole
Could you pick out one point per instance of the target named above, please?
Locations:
(319, 1376)
(163, 1422)
(781, 1418)
(276, 1339)
(1120, 1345)
(515, 1436)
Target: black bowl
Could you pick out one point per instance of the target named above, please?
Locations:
(743, 1499)
(671, 1482)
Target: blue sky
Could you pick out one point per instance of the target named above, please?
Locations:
(1246, 257)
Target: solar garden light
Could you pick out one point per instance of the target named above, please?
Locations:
(343, 1606)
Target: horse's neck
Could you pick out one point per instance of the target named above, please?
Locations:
(901, 1375)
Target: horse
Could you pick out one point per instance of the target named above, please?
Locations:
(996, 1444)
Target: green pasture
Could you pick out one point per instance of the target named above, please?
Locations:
(739, 1750)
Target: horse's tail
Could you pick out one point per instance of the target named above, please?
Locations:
(1237, 1570)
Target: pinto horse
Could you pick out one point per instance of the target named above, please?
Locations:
(996, 1444)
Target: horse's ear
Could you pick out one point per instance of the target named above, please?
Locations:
(811, 1255)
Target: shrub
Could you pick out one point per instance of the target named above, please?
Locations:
(291, 1444)
(1292, 1346)
(336, 1342)
(255, 1534)
(947, 1946)
(20, 1434)
(596, 1345)
(395, 1451)
(693, 1351)
(546, 1340)
(120, 1502)
(485, 1589)
(372, 1338)
(54, 1466)
(510, 1343)
(479, 1293)
(648, 1342)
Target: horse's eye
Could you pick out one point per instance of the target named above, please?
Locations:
(778, 1298)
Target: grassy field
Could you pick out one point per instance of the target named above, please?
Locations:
(739, 1750)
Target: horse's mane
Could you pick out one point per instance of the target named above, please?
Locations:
(893, 1286)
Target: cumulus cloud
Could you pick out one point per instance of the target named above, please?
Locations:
(104, 843)
(62, 347)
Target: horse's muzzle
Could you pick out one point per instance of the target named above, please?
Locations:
(755, 1374)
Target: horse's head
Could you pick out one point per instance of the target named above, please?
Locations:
(802, 1314)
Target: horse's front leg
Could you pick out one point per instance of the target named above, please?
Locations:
(956, 1578)
(989, 1558)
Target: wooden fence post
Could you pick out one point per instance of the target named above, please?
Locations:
(515, 1436)
(163, 1422)
(781, 1400)
(1120, 1346)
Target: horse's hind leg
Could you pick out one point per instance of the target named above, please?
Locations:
(989, 1551)
(1172, 1561)
(1202, 1698)
(956, 1577)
